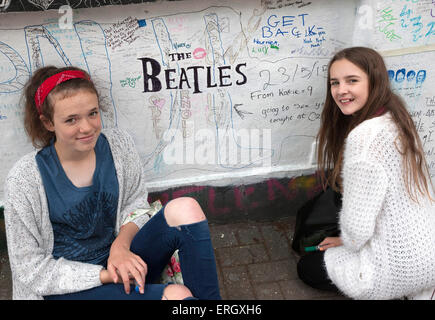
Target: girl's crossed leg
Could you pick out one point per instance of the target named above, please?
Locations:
(181, 225)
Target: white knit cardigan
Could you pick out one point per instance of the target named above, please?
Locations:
(388, 248)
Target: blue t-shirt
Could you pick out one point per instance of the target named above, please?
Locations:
(83, 219)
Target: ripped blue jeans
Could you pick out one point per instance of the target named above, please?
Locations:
(155, 243)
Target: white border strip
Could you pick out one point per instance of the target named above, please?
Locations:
(404, 51)
(248, 176)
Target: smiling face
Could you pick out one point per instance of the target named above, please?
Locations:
(349, 86)
(76, 123)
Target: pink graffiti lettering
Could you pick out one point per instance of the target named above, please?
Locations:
(211, 204)
(238, 196)
(183, 191)
(241, 198)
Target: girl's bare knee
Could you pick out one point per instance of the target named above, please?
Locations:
(176, 292)
(183, 210)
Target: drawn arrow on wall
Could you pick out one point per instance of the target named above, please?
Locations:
(241, 113)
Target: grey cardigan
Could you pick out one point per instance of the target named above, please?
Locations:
(35, 273)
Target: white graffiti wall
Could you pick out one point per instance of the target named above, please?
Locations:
(217, 92)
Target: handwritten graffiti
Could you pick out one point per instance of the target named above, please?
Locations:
(407, 21)
(186, 113)
(131, 82)
(218, 72)
(4, 5)
(387, 24)
(92, 43)
(407, 76)
(122, 33)
(278, 4)
(413, 23)
(32, 5)
(156, 106)
(19, 67)
(292, 72)
(194, 68)
(296, 27)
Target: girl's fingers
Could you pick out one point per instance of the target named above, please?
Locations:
(139, 276)
(135, 271)
(112, 271)
(329, 242)
(126, 281)
(132, 268)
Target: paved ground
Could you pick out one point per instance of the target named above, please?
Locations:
(254, 260)
(5, 277)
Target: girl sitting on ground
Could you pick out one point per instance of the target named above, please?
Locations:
(369, 148)
(68, 204)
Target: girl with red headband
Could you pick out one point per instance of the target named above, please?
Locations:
(69, 227)
(373, 156)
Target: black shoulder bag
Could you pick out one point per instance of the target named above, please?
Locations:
(316, 220)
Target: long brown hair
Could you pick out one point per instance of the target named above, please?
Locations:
(335, 126)
(35, 129)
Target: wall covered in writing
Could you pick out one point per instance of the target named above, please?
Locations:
(404, 31)
(217, 92)
(38, 5)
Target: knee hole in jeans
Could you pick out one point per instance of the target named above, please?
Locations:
(182, 211)
(176, 292)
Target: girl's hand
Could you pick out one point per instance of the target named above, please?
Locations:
(124, 266)
(330, 242)
(105, 276)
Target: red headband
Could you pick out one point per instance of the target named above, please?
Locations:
(51, 82)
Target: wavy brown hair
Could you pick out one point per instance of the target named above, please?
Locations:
(335, 126)
(33, 125)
